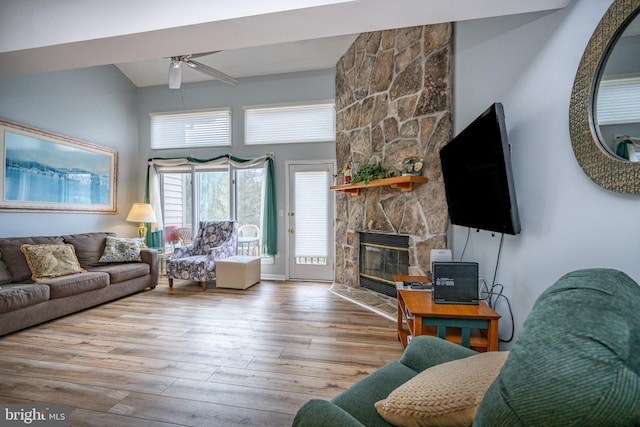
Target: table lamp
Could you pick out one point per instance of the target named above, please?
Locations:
(142, 213)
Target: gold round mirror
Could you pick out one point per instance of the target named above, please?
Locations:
(605, 132)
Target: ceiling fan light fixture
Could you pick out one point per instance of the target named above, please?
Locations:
(175, 69)
(175, 73)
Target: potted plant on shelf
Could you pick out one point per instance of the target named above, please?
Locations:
(370, 172)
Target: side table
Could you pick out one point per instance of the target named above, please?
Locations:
(473, 326)
(162, 258)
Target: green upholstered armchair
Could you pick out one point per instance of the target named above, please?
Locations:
(576, 362)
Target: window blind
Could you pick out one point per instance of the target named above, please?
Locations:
(618, 101)
(191, 129)
(290, 124)
(311, 214)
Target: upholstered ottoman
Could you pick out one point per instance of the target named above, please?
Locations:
(237, 272)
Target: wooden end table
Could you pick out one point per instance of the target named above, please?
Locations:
(473, 326)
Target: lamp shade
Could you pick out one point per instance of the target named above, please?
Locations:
(141, 212)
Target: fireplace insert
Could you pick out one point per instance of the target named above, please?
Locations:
(381, 256)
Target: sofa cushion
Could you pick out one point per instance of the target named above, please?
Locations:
(47, 261)
(577, 357)
(15, 297)
(5, 276)
(89, 247)
(15, 260)
(118, 249)
(444, 395)
(65, 286)
(125, 271)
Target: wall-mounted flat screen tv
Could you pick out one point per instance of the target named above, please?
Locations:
(476, 167)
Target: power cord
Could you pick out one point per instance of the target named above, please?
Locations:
(465, 244)
(493, 295)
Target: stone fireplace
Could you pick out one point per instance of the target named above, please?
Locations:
(393, 101)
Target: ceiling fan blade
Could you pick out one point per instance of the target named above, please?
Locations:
(175, 73)
(211, 71)
(200, 55)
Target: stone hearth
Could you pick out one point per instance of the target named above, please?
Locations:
(393, 101)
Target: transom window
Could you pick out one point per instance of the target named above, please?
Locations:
(287, 124)
(202, 128)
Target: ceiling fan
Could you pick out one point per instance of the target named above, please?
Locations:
(175, 69)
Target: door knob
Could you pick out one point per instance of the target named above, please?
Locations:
(292, 230)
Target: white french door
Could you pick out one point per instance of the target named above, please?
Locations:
(310, 221)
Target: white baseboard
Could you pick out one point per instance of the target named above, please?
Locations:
(275, 277)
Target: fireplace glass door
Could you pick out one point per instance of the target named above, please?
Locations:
(381, 257)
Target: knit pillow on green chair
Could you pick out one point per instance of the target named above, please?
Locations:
(447, 394)
(576, 361)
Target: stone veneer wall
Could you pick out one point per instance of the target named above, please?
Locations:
(393, 100)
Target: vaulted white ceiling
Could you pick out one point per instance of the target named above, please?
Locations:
(256, 37)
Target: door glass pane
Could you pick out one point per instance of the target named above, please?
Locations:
(249, 210)
(176, 206)
(311, 217)
(213, 201)
(176, 196)
(213, 195)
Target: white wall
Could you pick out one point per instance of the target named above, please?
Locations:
(273, 89)
(528, 62)
(93, 104)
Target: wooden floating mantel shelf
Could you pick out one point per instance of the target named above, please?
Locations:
(404, 183)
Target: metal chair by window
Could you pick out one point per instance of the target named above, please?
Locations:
(249, 240)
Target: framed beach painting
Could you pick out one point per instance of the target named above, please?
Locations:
(45, 171)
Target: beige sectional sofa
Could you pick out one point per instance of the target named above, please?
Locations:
(25, 303)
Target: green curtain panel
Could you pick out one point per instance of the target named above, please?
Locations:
(623, 150)
(153, 239)
(270, 218)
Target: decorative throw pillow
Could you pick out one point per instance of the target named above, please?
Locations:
(48, 261)
(444, 395)
(118, 249)
(89, 246)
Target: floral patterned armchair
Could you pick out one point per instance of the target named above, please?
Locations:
(197, 261)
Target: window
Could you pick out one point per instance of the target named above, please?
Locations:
(208, 187)
(248, 193)
(176, 199)
(249, 207)
(618, 101)
(191, 129)
(290, 124)
(311, 207)
(215, 196)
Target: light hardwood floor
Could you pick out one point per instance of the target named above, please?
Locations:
(186, 357)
